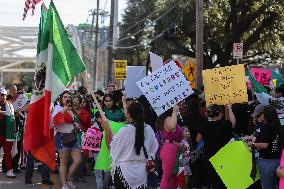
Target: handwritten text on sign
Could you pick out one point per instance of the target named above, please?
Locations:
(225, 85)
(263, 76)
(92, 140)
(165, 87)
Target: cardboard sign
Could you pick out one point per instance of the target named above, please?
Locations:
(189, 71)
(20, 102)
(263, 76)
(225, 85)
(156, 61)
(120, 69)
(104, 160)
(134, 74)
(233, 163)
(165, 87)
(92, 140)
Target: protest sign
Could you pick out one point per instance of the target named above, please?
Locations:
(263, 76)
(281, 181)
(20, 102)
(92, 140)
(225, 85)
(233, 163)
(120, 69)
(156, 61)
(134, 74)
(165, 87)
(104, 160)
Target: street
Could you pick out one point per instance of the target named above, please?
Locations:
(19, 182)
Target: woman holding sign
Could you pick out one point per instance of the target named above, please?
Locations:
(216, 133)
(130, 148)
(169, 135)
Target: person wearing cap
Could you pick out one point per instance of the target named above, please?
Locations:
(267, 143)
(7, 131)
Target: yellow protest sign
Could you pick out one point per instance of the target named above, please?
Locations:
(190, 72)
(120, 69)
(225, 85)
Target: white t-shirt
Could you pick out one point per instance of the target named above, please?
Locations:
(122, 151)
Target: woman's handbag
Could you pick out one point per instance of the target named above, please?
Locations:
(69, 139)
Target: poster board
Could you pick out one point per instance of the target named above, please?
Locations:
(134, 74)
(92, 140)
(261, 75)
(20, 102)
(225, 85)
(165, 87)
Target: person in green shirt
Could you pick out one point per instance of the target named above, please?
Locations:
(111, 110)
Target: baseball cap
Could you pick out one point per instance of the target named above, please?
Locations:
(258, 110)
(3, 91)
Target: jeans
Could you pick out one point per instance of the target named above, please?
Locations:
(102, 178)
(30, 169)
(267, 169)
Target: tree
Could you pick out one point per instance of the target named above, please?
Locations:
(256, 23)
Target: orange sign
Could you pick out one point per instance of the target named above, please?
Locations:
(189, 71)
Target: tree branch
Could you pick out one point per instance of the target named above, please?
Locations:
(266, 23)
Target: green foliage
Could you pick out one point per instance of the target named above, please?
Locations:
(256, 23)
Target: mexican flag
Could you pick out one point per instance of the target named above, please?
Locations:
(261, 93)
(276, 75)
(58, 62)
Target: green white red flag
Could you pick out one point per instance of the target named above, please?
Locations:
(58, 62)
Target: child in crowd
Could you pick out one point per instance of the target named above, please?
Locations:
(186, 146)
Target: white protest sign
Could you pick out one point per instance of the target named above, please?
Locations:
(134, 74)
(20, 102)
(165, 87)
(156, 61)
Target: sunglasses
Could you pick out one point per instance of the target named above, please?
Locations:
(66, 96)
(108, 100)
(2, 94)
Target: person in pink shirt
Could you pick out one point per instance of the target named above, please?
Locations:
(172, 135)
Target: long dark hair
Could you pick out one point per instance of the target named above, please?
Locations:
(114, 106)
(61, 96)
(271, 117)
(136, 112)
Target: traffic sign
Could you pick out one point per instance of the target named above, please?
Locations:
(120, 69)
(189, 71)
(238, 50)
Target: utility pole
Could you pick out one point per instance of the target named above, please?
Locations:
(199, 42)
(96, 46)
(110, 43)
(95, 14)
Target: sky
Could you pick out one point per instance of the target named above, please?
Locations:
(70, 11)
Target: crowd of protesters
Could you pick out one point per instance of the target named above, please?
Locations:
(147, 142)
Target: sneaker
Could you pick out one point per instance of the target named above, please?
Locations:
(65, 186)
(10, 174)
(70, 184)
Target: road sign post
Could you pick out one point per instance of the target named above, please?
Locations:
(238, 51)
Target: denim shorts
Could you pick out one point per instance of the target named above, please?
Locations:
(60, 146)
